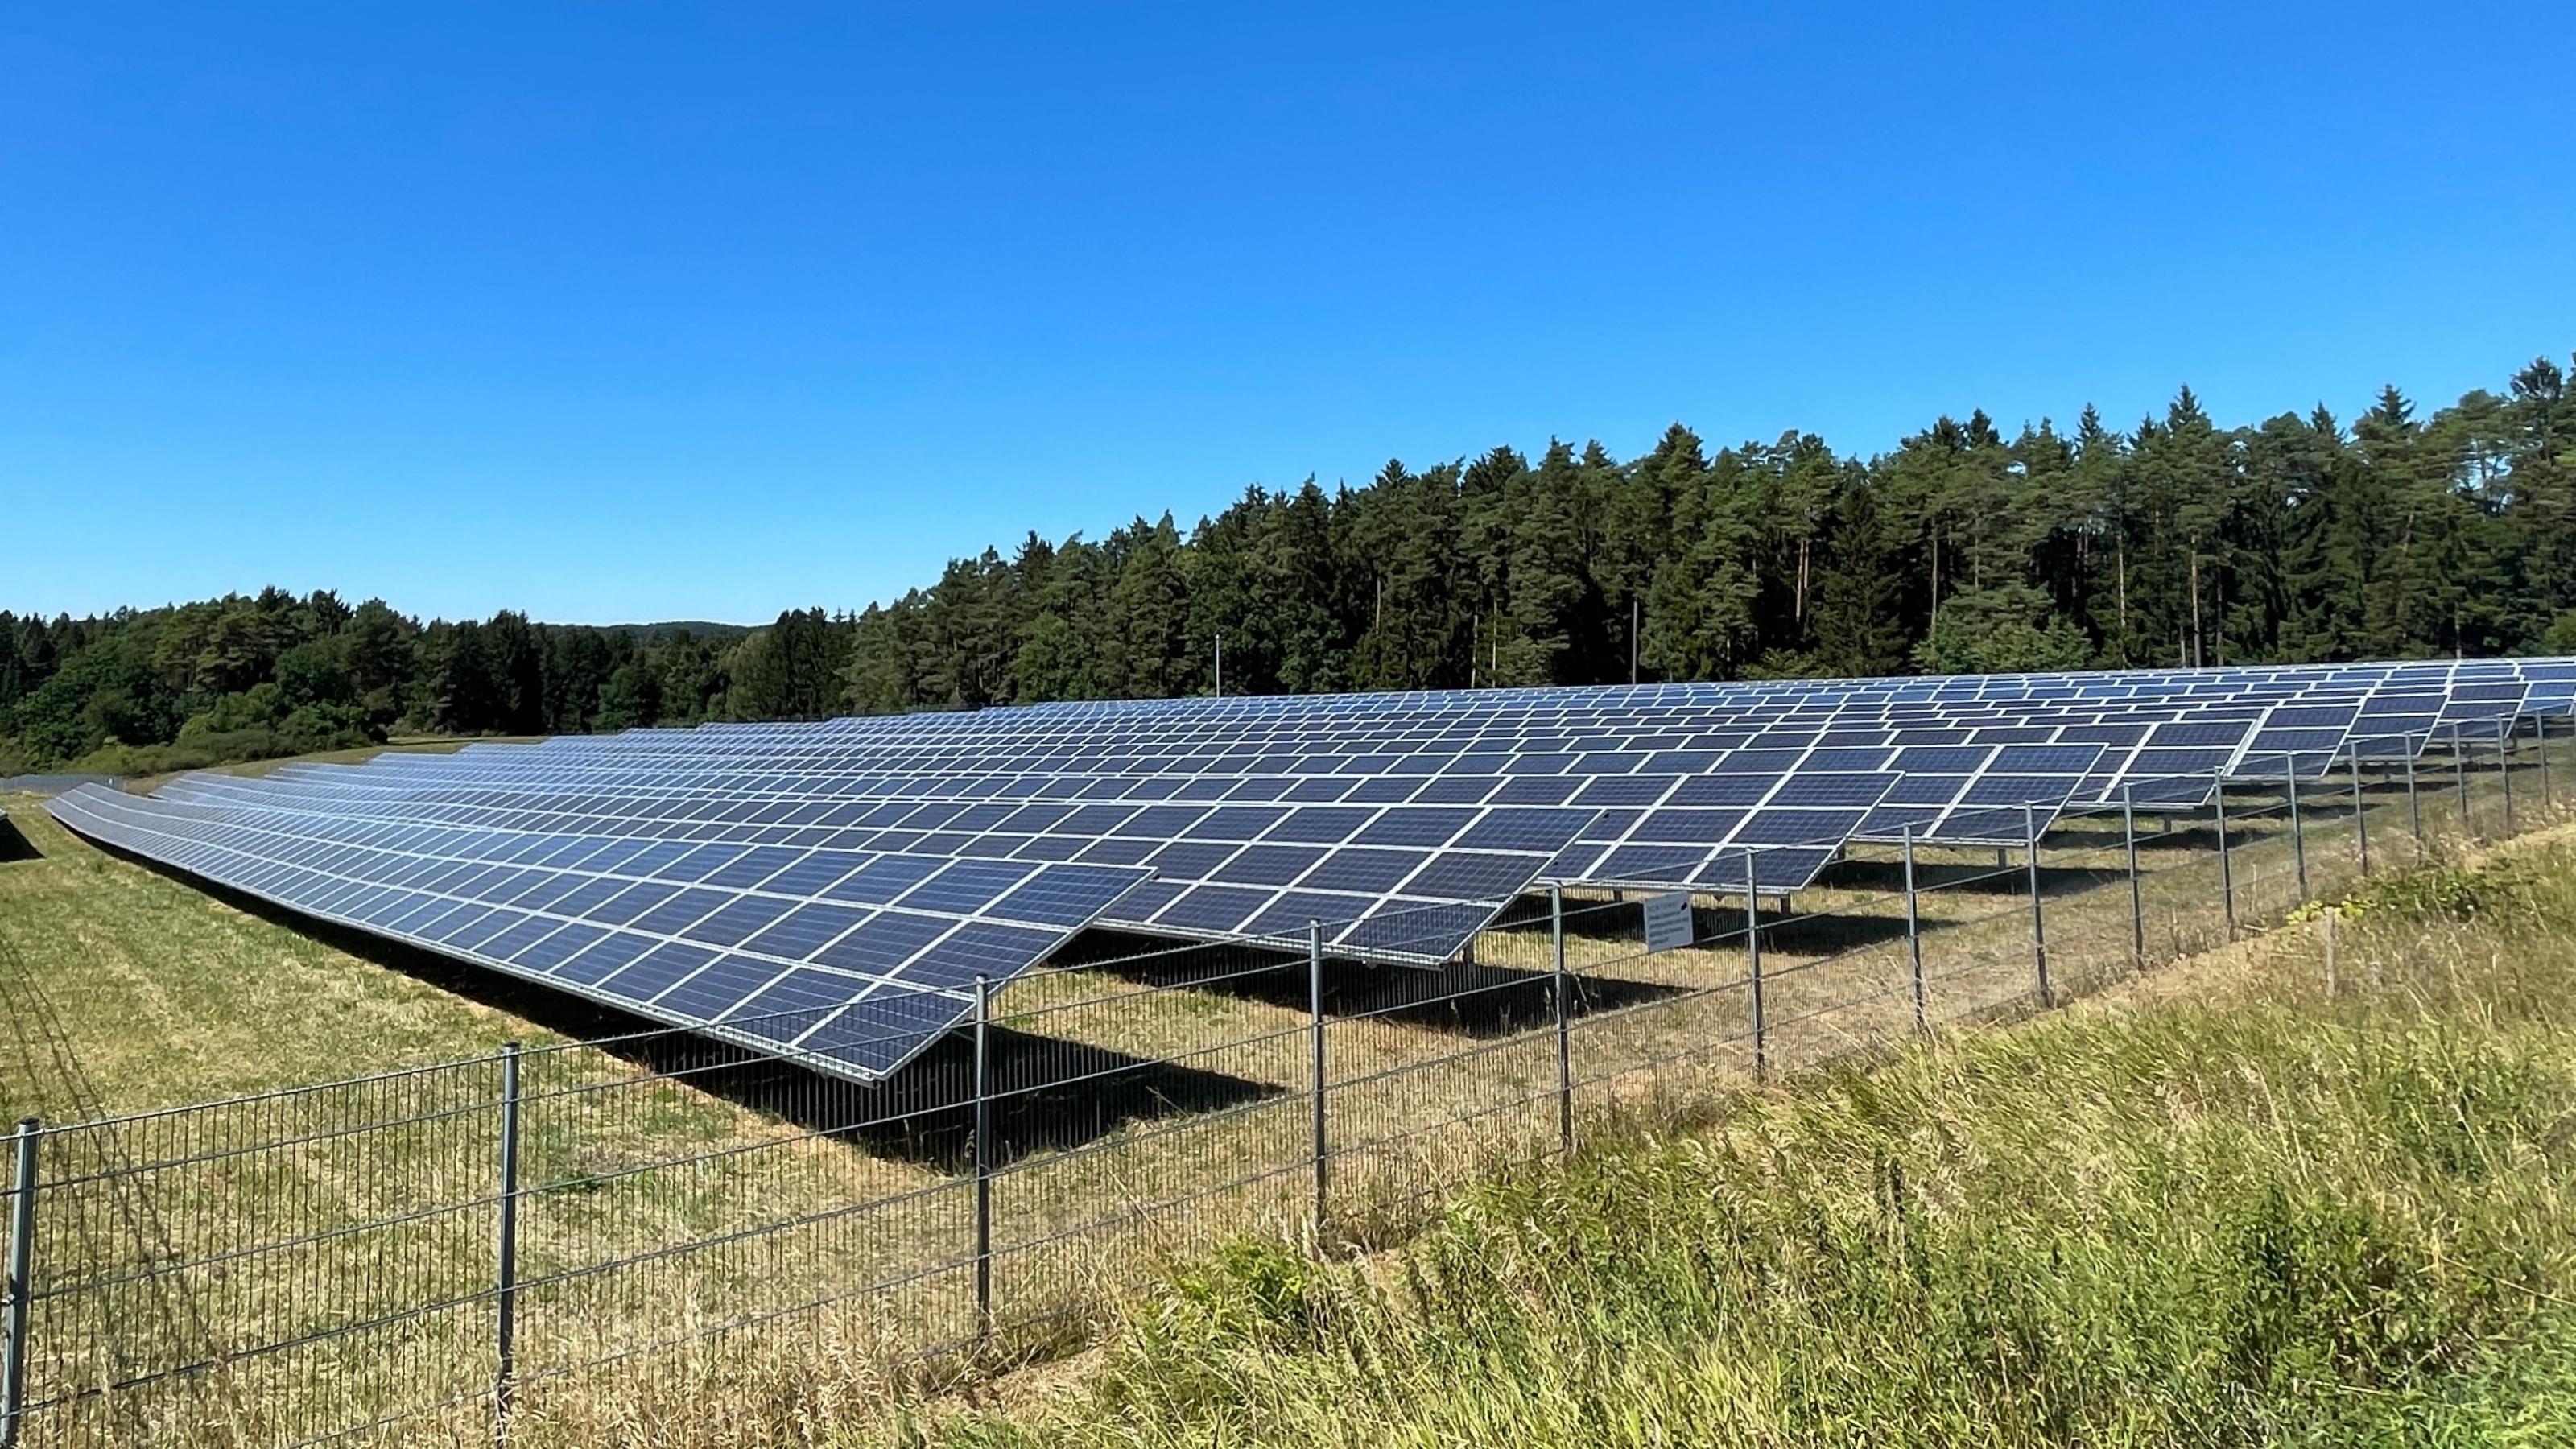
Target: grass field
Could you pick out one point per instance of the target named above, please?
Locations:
(127, 992)
(134, 992)
(2219, 1207)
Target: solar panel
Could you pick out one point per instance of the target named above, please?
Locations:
(1791, 815)
(1221, 870)
(1405, 822)
(855, 961)
(1984, 794)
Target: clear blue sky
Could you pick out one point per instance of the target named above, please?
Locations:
(620, 312)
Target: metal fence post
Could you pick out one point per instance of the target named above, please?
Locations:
(2137, 899)
(2460, 775)
(2298, 830)
(2226, 868)
(2540, 738)
(2414, 806)
(1914, 938)
(1753, 968)
(2504, 769)
(1315, 1018)
(1564, 1042)
(2360, 813)
(506, 1300)
(983, 1153)
(22, 1266)
(2038, 927)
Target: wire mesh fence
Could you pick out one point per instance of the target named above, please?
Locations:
(526, 1242)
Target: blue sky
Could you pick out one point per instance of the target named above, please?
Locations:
(617, 312)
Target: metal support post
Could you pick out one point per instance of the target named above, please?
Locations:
(2226, 868)
(2038, 927)
(983, 1153)
(2504, 769)
(2414, 805)
(22, 1269)
(2137, 899)
(1753, 968)
(506, 1300)
(1914, 938)
(2298, 828)
(1315, 1018)
(2540, 738)
(1564, 1009)
(2460, 775)
(2360, 812)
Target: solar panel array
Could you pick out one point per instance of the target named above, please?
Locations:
(1244, 864)
(838, 886)
(858, 960)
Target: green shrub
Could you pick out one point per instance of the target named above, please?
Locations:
(2524, 891)
(131, 761)
(257, 723)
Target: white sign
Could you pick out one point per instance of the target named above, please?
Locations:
(1668, 922)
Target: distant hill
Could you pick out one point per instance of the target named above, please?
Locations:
(655, 633)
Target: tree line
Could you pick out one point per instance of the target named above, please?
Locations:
(252, 676)
(2171, 542)
(2174, 542)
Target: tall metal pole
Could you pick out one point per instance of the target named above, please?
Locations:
(2226, 868)
(2038, 927)
(1753, 967)
(1315, 1019)
(1914, 938)
(2298, 830)
(22, 1272)
(983, 1153)
(506, 1300)
(2137, 900)
(2360, 814)
(1564, 1043)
